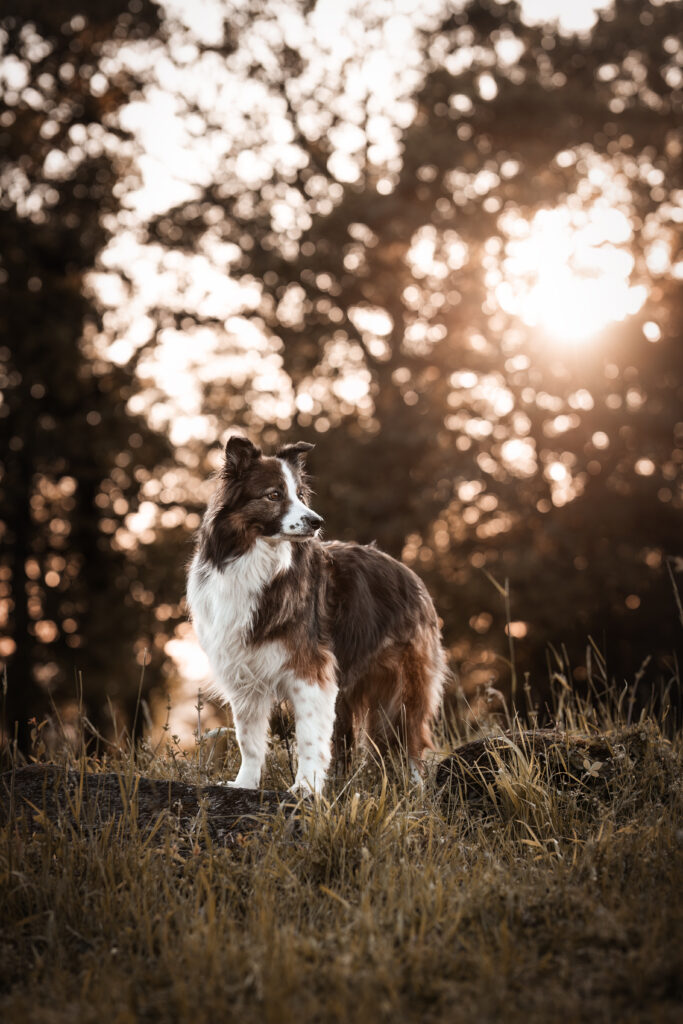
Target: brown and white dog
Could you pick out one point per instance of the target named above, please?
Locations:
(345, 633)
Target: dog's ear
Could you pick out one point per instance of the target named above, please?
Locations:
(295, 453)
(239, 455)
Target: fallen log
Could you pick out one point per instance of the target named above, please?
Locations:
(560, 759)
(42, 793)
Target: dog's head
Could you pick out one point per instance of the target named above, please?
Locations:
(267, 496)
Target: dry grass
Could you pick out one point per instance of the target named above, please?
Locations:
(539, 901)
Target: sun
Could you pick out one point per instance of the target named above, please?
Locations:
(567, 271)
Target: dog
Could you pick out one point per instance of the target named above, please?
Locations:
(345, 633)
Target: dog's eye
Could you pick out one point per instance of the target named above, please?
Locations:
(273, 495)
(301, 496)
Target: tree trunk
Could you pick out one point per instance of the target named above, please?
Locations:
(24, 697)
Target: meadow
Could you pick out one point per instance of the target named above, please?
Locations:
(533, 895)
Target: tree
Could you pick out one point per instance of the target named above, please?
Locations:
(448, 428)
(76, 584)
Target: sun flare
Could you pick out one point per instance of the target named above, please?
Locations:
(567, 271)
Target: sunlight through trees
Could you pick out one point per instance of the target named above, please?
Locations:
(440, 241)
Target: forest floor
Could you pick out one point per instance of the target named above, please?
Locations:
(541, 896)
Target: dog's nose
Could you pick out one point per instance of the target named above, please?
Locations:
(313, 520)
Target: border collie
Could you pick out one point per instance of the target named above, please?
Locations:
(345, 633)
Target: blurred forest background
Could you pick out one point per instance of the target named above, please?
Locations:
(440, 240)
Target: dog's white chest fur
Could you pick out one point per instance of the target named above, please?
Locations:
(223, 603)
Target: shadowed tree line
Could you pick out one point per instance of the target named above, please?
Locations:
(72, 456)
(447, 429)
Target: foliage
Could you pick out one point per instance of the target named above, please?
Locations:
(357, 258)
(448, 429)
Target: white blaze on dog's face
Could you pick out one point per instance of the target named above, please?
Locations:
(261, 496)
(298, 520)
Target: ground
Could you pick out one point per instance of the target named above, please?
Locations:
(536, 895)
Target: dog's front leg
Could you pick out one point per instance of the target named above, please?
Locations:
(251, 728)
(314, 714)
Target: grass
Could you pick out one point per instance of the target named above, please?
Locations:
(382, 903)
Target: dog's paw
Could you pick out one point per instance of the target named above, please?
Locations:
(236, 784)
(303, 789)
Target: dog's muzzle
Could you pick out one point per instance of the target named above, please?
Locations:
(301, 523)
(311, 523)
